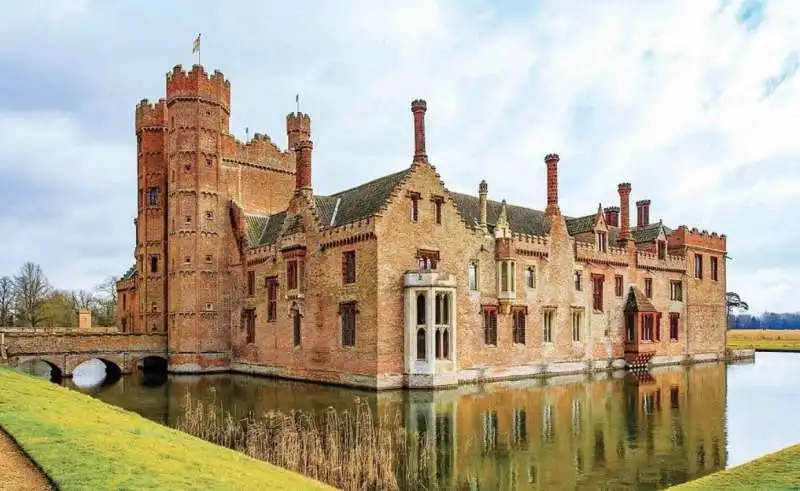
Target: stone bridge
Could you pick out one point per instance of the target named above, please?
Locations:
(65, 349)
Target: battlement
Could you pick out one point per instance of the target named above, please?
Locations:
(646, 259)
(151, 115)
(197, 83)
(587, 251)
(685, 237)
(259, 151)
(298, 128)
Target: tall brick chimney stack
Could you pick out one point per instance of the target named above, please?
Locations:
(552, 208)
(303, 150)
(612, 216)
(643, 213)
(483, 193)
(624, 190)
(298, 128)
(418, 107)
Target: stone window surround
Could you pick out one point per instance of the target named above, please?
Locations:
(428, 365)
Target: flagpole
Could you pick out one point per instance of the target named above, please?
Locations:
(297, 100)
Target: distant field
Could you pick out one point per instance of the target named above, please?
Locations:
(769, 339)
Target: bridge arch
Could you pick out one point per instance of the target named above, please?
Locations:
(112, 365)
(36, 366)
(152, 370)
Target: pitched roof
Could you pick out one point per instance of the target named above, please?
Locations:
(359, 202)
(522, 220)
(254, 226)
(129, 273)
(648, 233)
(582, 224)
(638, 302)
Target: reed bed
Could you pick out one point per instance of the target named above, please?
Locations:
(352, 449)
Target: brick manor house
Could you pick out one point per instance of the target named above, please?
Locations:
(397, 282)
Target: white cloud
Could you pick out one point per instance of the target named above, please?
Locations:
(667, 95)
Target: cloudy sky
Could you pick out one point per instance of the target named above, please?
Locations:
(694, 102)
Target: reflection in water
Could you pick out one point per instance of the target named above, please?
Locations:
(95, 373)
(620, 432)
(41, 368)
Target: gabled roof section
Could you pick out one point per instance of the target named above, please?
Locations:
(522, 220)
(581, 225)
(638, 302)
(359, 202)
(254, 227)
(129, 273)
(648, 233)
(263, 229)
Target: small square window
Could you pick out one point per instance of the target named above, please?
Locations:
(209, 306)
(187, 259)
(209, 258)
(209, 215)
(187, 219)
(187, 167)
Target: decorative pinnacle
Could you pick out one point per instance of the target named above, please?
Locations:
(419, 105)
(551, 157)
(483, 187)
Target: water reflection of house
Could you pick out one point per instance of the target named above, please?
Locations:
(632, 433)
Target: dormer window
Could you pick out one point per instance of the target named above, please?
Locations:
(601, 241)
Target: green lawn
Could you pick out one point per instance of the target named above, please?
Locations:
(83, 443)
(776, 471)
(765, 344)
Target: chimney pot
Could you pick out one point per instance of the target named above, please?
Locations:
(612, 216)
(643, 213)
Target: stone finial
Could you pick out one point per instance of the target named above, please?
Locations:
(483, 187)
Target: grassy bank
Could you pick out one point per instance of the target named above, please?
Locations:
(82, 443)
(779, 340)
(779, 470)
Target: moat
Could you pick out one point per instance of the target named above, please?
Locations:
(628, 430)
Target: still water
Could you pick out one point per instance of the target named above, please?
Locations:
(628, 431)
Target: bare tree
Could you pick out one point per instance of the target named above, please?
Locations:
(106, 302)
(7, 301)
(32, 289)
(81, 299)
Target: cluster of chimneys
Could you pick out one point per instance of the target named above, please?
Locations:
(299, 132)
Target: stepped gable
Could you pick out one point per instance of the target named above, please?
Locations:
(638, 302)
(521, 220)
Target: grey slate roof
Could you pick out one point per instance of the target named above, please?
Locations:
(129, 274)
(522, 220)
(581, 225)
(359, 202)
(648, 233)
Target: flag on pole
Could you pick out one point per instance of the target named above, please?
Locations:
(196, 45)
(297, 101)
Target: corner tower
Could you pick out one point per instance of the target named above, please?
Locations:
(199, 312)
(151, 218)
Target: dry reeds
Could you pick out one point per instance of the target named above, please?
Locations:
(764, 334)
(352, 449)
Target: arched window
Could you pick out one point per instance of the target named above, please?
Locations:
(438, 315)
(421, 344)
(446, 309)
(446, 344)
(421, 309)
(438, 344)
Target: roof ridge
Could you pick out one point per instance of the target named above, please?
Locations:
(337, 194)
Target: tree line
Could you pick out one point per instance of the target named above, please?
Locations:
(28, 299)
(738, 319)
